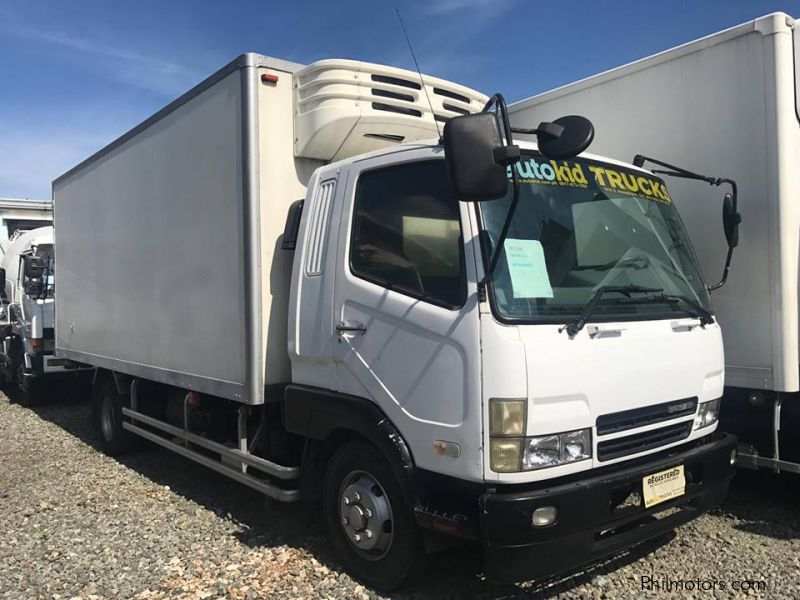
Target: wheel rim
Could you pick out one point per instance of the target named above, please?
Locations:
(365, 515)
(107, 419)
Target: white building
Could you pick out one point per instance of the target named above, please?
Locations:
(22, 214)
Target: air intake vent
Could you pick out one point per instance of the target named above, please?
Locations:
(456, 109)
(395, 95)
(646, 415)
(397, 109)
(396, 81)
(449, 94)
(318, 227)
(641, 442)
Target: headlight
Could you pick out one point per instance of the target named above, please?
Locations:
(552, 450)
(707, 414)
(505, 454)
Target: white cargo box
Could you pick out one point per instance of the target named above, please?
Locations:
(724, 106)
(169, 259)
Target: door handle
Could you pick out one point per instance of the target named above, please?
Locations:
(350, 327)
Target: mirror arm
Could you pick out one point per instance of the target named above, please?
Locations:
(725, 270)
(503, 232)
(674, 171)
(498, 100)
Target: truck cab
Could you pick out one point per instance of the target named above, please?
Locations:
(552, 432)
(27, 313)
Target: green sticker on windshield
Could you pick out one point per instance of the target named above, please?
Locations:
(525, 259)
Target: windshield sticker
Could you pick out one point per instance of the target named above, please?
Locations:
(525, 259)
(571, 174)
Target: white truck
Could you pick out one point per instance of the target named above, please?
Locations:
(282, 277)
(728, 103)
(27, 316)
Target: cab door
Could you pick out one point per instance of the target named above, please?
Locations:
(406, 324)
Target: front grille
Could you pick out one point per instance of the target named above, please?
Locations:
(647, 415)
(641, 442)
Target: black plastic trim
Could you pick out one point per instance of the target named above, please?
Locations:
(646, 415)
(591, 524)
(316, 413)
(641, 442)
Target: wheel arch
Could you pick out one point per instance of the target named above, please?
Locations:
(328, 420)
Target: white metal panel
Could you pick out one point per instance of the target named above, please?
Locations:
(723, 106)
(311, 299)
(150, 249)
(283, 179)
(418, 362)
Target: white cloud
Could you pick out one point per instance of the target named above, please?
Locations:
(31, 159)
(446, 7)
(134, 68)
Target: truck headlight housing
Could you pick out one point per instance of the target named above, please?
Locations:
(507, 417)
(510, 451)
(707, 414)
(558, 449)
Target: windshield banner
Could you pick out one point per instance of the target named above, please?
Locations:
(610, 179)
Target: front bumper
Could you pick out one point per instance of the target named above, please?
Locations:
(46, 364)
(594, 521)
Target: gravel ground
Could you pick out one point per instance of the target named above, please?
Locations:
(77, 524)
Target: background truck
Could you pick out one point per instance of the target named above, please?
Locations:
(727, 103)
(27, 318)
(282, 277)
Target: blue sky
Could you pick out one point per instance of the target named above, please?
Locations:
(77, 74)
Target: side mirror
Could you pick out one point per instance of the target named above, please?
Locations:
(565, 137)
(476, 157)
(730, 221)
(33, 266)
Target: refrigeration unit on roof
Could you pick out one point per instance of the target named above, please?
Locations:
(346, 107)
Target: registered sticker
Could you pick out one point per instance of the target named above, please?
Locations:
(664, 485)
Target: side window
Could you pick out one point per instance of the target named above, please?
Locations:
(407, 233)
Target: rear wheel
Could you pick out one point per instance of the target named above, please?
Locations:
(114, 439)
(369, 523)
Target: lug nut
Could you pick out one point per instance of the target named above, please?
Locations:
(356, 497)
(345, 522)
(368, 513)
(356, 538)
(368, 533)
(346, 501)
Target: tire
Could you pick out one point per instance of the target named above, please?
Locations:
(107, 413)
(369, 524)
(27, 393)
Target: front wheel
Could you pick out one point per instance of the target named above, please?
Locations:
(369, 523)
(27, 389)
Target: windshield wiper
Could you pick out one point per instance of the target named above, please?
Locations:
(574, 326)
(694, 309)
(634, 262)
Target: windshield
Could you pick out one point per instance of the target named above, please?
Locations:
(580, 225)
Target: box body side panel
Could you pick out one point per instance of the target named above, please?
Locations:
(716, 111)
(150, 250)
